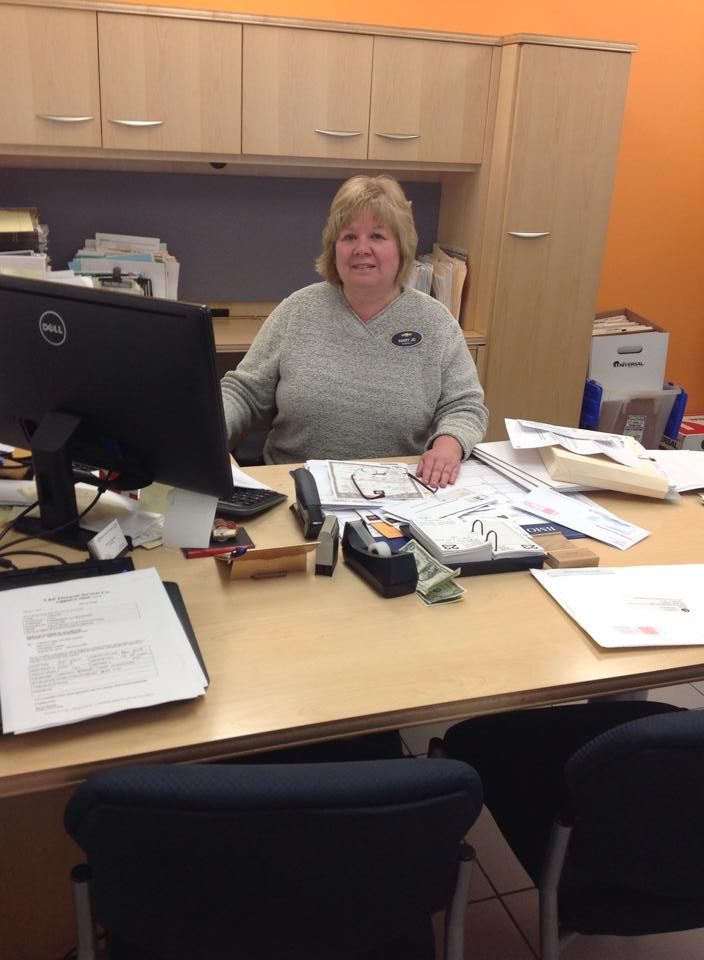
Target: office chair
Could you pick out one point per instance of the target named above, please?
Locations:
(329, 861)
(603, 804)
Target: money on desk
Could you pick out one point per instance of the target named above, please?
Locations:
(436, 582)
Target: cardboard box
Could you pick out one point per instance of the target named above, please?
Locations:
(628, 352)
(690, 436)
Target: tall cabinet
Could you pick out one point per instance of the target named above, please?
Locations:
(536, 221)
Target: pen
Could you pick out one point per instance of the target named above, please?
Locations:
(422, 482)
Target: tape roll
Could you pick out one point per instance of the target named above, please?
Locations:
(381, 549)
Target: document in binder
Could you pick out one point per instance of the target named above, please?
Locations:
(602, 473)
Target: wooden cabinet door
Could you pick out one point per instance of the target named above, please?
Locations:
(560, 162)
(305, 93)
(169, 84)
(429, 100)
(49, 77)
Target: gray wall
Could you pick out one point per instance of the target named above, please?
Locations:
(237, 238)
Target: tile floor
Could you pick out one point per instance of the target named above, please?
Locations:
(502, 919)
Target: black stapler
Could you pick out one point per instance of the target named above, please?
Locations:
(391, 574)
(307, 505)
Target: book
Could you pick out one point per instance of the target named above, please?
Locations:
(605, 474)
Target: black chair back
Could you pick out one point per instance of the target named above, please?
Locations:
(317, 861)
(636, 794)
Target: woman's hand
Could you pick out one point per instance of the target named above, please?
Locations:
(440, 465)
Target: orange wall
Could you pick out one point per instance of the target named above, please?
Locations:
(654, 261)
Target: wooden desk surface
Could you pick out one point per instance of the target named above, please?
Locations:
(308, 658)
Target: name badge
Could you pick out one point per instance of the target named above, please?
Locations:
(409, 338)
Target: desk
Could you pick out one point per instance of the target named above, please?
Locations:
(307, 658)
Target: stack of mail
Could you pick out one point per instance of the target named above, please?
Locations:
(145, 260)
(603, 461)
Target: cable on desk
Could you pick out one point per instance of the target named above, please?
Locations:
(11, 525)
(47, 533)
(8, 564)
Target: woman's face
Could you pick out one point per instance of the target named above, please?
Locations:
(367, 256)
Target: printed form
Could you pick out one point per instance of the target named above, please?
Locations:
(88, 647)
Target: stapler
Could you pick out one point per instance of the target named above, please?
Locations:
(307, 505)
(391, 574)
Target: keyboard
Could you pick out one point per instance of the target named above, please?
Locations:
(248, 502)
(56, 573)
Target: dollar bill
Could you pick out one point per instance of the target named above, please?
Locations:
(432, 576)
(446, 592)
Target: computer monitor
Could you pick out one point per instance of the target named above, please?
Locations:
(111, 381)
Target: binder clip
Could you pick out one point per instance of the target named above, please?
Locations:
(391, 575)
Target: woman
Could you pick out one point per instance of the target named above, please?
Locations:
(358, 366)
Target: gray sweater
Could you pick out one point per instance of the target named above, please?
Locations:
(342, 389)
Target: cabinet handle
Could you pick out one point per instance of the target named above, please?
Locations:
(528, 236)
(339, 133)
(137, 123)
(398, 136)
(56, 119)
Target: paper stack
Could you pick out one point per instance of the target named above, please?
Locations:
(590, 459)
(524, 467)
(141, 261)
(449, 272)
(84, 648)
(22, 243)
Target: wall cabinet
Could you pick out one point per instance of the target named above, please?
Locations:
(310, 93)
(49, 77)
(305, 93)
(429, 100)
(170, 85)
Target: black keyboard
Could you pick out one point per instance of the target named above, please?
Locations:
(248, 502)
(56, 573)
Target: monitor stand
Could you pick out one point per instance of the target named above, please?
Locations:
(53, 475)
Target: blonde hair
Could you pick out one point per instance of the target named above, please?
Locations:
(385, 198)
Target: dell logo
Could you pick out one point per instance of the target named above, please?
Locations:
(52, 328)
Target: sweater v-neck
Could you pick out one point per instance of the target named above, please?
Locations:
(372, 320)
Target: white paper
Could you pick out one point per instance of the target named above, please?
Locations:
(525, 467)
(583, 515)
(18, 492)
(449, 502)
(648, 606)
(684, 468)
(351, 480)
(155, 271)
(528, 434)
(189, 519)
(242, 479)
(88, 647)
